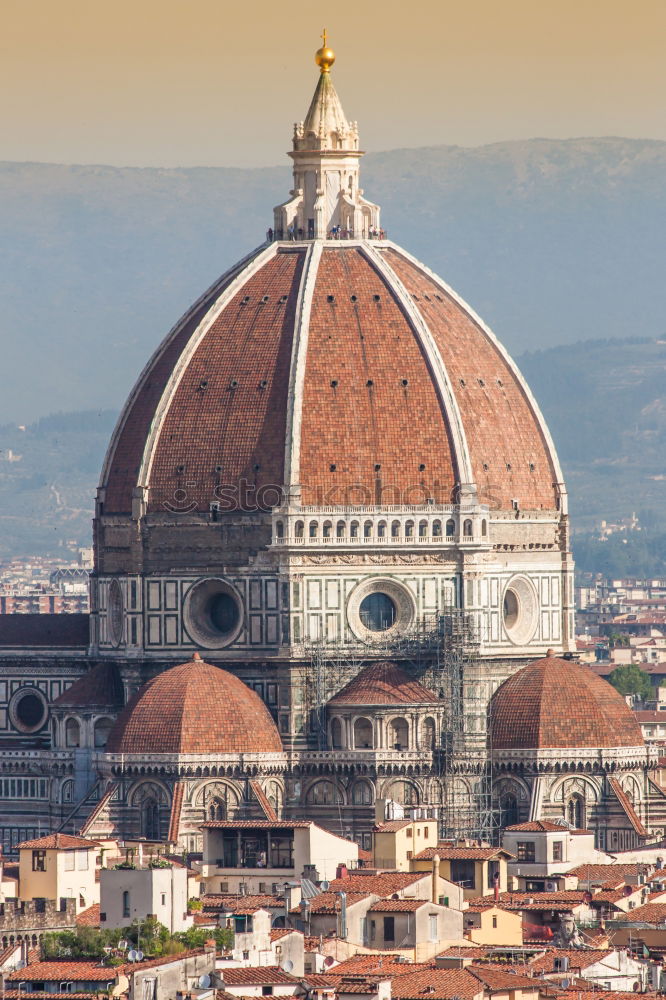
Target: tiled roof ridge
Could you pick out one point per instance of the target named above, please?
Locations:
(262, 799)
(58, 841)
(67, 968)
(627, 806)
(90, 821)
(176, 807)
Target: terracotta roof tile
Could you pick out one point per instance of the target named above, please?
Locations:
(98, 808)
(234, 903)
(259, 824)
(553, 703)
(391, 825)
(361, 389)
(262, 799)
(89, 917)
(597, 873)
(85, 971)
(499, 979)
(461, 853)
(100, 686)
(376, 963)
(578, 958)
(566, 899)
(57, 841)
(30, 995)
(509, 456)
(176, 807)
(367, 418)
(166, 716)
(381, 884)
(439, 984)
(264, 975)
(383, 684)
(627, 807)
(329, 902)
(280, 932)
(543, 826)
(398, 905)
(650, 913)
(73, 971)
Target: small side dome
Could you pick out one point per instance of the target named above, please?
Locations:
(384, 684)
(99, 687)
(558, 704)
(194, 708)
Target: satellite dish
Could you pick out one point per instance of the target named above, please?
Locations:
(139, 956)
(21, 964)
(288, 965)
(204, 981)
(329, 961)
(132, 955)
(325, 885)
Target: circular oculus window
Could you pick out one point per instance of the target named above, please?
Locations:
(520, 610)
(28, 710)
(213, 613)
(380, 608)
(377, 612)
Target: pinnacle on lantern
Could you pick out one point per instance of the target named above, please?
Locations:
(326, 200)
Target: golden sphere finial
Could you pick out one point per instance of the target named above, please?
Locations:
(324, 57)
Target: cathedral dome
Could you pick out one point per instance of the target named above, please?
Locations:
(305, 364)
(300, 370)
(194, 708)
(558, 704)
(383, 684)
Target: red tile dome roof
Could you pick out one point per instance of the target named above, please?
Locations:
(333, 347)
(194, 708)
(556, 703)
(383, 684)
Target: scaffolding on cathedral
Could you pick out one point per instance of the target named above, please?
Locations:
(441, 650)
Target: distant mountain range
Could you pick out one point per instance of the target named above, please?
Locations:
(605, 402)
(551, 241)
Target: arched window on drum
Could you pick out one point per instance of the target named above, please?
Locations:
(363, 736)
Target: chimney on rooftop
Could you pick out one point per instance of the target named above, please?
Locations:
(435, 879)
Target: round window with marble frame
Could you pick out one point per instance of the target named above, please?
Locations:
(28, 710)
(115, 612)
(213, 613)
(400, 597)
(520, 610)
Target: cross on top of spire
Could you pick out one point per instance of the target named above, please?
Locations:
(324, 57)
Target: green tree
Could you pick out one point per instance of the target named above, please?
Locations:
(630, 679)
(196, 937)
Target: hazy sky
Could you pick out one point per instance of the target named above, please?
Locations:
(220, 82)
